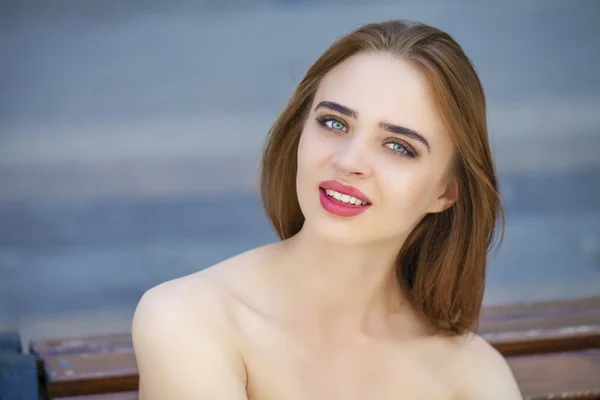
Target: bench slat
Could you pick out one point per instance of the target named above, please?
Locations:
(90, 373)
(547, 307)
(572, 375)
(100, 364)
(532, 328)
(87, 344)
(110, 396)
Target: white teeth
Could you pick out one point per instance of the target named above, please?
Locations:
(345, 198)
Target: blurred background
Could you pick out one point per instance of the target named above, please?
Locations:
(130, 134)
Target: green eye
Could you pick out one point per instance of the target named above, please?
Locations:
(401, 149)
(332, 124)
(396, 147)
(335, 125)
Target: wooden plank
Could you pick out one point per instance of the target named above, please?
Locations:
(86, 344)
(547, 307)
(107, 363)
(534, 328)
(90, 373)
(110, 396)
(571, 376)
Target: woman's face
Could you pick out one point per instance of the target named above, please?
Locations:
(374, 134)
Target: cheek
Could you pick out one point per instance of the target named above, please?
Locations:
(305, 154)
(408, 191)
(307, 162)
(313, 152)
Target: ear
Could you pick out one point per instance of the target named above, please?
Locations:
(447, 198)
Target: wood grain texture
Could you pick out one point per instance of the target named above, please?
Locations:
(90, 373)
(78, 345)
(545, 344)
(549, 307)
(110, 396)
(572, 375)
(542, 327)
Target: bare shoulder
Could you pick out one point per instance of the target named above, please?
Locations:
(185, 337)
(187, 303)
(484, 372)
(212, 291)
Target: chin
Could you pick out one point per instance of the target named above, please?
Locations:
(338, 230)
(354, 231)
(335, 229)
(338, 236)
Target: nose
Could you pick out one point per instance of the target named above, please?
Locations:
(351, 159)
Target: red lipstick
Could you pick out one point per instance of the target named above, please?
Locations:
(339, 207)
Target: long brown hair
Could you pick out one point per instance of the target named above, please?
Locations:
(442, 264)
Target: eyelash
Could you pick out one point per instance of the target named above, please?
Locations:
(408, 150)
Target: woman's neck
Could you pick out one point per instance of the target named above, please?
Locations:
(342, 287)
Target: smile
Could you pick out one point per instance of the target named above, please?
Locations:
(342, 200)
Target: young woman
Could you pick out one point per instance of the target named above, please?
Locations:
(378, 177)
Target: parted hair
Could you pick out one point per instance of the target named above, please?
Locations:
(442, 264)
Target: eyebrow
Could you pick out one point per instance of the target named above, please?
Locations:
(397, 129)
(337, 107)
(401, 130)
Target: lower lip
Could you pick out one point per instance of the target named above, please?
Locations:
(339, 209)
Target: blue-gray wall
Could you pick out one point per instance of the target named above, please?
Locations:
(130, 134)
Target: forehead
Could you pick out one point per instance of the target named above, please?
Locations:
(382, 87)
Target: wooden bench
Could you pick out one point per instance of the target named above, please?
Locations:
(553, 348)
(90, 373)
(573, 375)
(110, 396)
(542, 327)
(78, 345)
(566, 375)
(55, 371)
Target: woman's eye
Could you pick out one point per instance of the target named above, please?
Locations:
(400, 149)
(334, 125)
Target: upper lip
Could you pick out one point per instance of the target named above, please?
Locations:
(345, 189)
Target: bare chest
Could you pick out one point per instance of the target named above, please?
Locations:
(280, 368)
